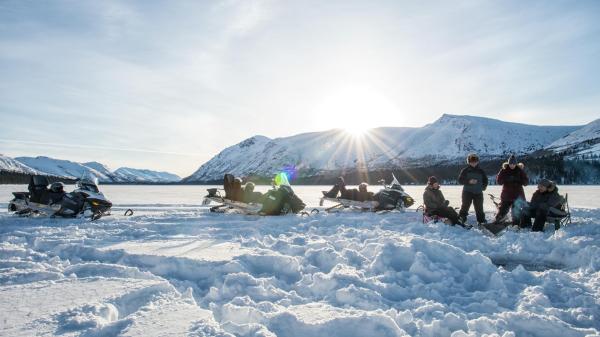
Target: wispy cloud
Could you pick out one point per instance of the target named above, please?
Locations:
(191, 77)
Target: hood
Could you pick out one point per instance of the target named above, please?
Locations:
(519, 165)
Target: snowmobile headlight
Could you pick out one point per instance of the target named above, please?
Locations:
(95, 203)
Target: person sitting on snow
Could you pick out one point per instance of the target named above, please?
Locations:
(436, 204)
(512, 177)
(542, 203)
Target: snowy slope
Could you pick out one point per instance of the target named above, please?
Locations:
(62, 168)
(449, 138)
(66, 168)
(452, 137)
(584, 141)
(11, 165)
(188, 272)
(145, 176)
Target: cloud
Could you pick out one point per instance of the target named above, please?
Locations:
(193, 77)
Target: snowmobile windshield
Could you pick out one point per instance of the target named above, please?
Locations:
(88, 184)
(281, 179)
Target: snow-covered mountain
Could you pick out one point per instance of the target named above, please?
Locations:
(9, 164)
(448, 139)
(145, 176)
(70, 169)
(62, 168)
(581, 143)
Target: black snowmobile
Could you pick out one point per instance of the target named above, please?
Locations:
(86, 200)
(391, 197)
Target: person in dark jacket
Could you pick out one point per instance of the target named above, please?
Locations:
(233, 188)
(360, 194)
(512, 177)
(363, 194)
(338, 187)
(474, 181)
(543, 201)
(250, 195)
(436, 204)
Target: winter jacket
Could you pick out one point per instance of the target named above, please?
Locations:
(433, 199)
(469, 173)
(512, 182)
(548, 199)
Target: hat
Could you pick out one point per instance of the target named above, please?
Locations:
(512, 160)
(545, 182)
(473, 157)
(432, 180)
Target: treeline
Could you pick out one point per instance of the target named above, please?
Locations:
(554, 167)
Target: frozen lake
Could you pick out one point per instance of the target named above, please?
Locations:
(169, 195)
(176, 269)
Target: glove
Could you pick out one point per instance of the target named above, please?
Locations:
(446, 202)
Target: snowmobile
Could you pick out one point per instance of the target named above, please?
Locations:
(85, 201)
(391, 197)
(280, 200)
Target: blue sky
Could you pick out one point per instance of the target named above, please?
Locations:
(167, 85)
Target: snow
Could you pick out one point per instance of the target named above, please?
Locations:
(11, 165)
(584, 141)
(141, 175)
(449, 138)
(61, 168)
(181, 270)
(74, 170)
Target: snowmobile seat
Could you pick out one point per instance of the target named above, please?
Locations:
(212, 192)
(38, 189)
(21, 195)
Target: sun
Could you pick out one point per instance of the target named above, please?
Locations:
(354, 109)
(356, 130)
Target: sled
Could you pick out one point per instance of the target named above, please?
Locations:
(25, 207)
(231, 205)
(495, 228)
(340, 203)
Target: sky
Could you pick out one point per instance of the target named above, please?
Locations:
(166, 85)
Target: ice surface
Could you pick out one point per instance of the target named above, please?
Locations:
(180, 270)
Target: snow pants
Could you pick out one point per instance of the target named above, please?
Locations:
(476, 199)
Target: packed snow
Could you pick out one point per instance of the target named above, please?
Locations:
(177, 269)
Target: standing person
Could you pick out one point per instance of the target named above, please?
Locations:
(436, 204)
(475, 182)
(512, 177)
